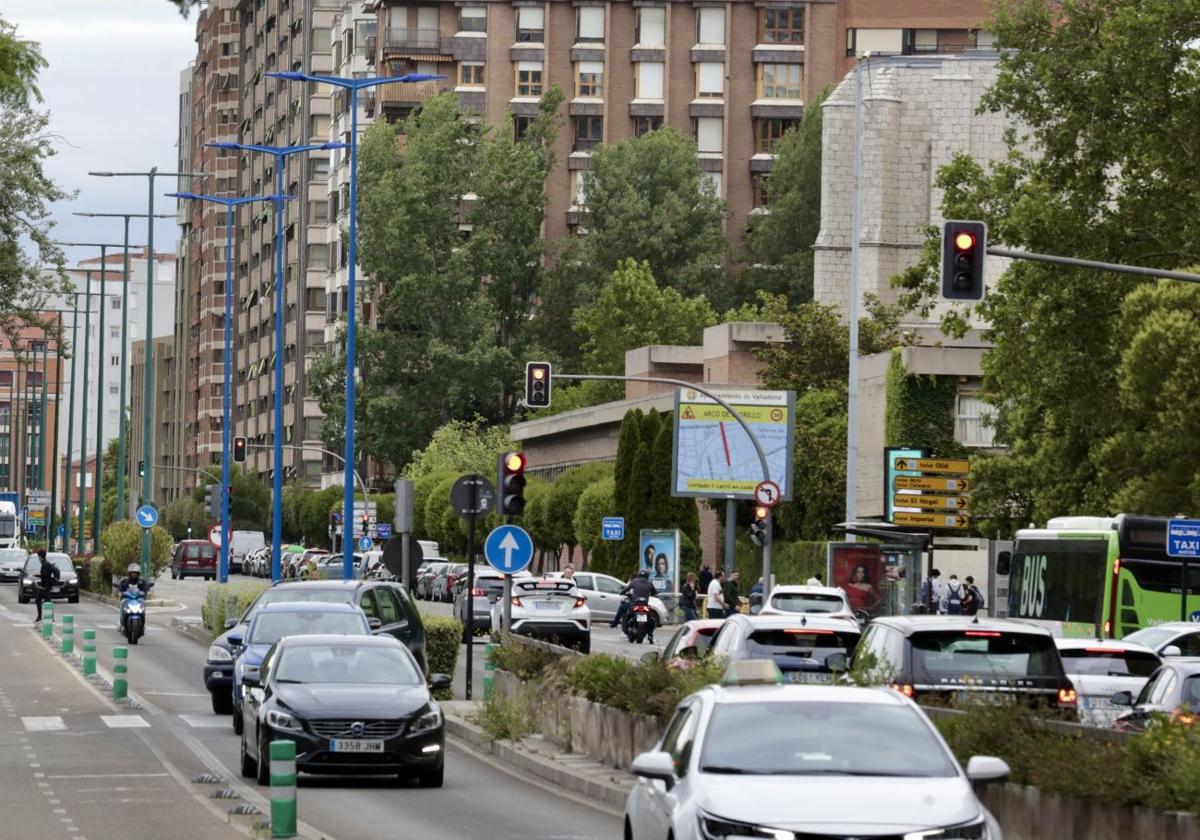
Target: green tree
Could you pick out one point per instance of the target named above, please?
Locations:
(461, 446)
(314, 518)
(819, 468)
(20, 63)
(423, 488)
(564, 499)
(536, 520)
(295, 497)
(648, 201)
(778, 245)
(627, 447)
(185, 513)
(595, 503)
(121, 543)
(441, 521)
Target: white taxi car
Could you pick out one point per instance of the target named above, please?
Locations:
(807, 649)
(549, 608)
(827, 601)
(1099, 669)
(754, 757)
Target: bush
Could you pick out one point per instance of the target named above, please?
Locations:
(443, 637)
(121, 543)
(599, 677)
(527, 662)
(649, 688)
(507, 720)
(228, 600)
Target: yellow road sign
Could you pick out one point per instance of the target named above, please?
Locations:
(921, 482)
(932, 520)
(951, 466)
(900, 500)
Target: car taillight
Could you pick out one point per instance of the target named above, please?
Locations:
(580, 602)
(904, 688)
(1066, 697)
(1183, 718)
(516, 602)
(478, 593)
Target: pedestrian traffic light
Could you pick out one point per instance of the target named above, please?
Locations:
(239, 450)
(141, 469)
(537, 384)
(512, 484)
(212, 500)
(758, 528)
(964, 245)
(366, 525)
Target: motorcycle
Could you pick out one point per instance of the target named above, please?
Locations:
(639, 621)
(133, 614)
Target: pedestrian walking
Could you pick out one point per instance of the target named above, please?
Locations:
(953, 594)
(975, 600)
(931, 591)
(706, 577)
(731, 595)
(569, 573)
(815, 580)
(716, 598)
(687, 598)
(47, 577)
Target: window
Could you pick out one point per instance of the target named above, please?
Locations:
(710, 80)
(609, 586)
(472, 19)
(975, 421)
(710, 25)
(578, 181)
(318, 167)
(985, 39)
(649, 80)
(709, 134)
(520, 126)
(6, 378)
(768, 132)
(762, 198)
(589, 25)
(589, 77)
(780, 81)
(651, 27)
(713, 180)
(924, 40)
(470, 74)
(114, 389)
(529, 78)
(531, 23)
(783, 26)
(114, 360)
(861, 41)
(34, 378)
(644, 125)
(589, 132)
(115, 303)
(389, 607)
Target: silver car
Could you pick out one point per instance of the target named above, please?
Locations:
(603, 594)
(12, 561)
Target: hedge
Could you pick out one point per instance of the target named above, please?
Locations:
(228, 600)
(443, 636)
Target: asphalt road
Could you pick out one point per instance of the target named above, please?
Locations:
(480, 800)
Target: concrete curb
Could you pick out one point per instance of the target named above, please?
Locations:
(116, 602)
(524, 763)
(193, 630)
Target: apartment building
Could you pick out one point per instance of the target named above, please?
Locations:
(733, 74)
(31, 391)
(162, 477)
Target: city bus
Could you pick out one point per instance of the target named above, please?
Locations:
(1099, 577)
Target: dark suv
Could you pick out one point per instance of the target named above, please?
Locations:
(389, 608)
(954, 660)
(68, 579)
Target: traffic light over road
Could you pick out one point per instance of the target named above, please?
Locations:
(239, 450)
(758, 528)
(512, 484)
(964, 246)
(537, 384)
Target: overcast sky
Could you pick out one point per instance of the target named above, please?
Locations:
(112, 89)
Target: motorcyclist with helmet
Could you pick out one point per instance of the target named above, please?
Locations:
(639, 587)
(132, 580)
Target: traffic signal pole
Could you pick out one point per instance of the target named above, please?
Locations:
(1116, 268)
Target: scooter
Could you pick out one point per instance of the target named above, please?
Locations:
(639, 621)
(133, 614)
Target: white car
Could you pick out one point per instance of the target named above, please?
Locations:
(755, 758)
(548, 608)
(12, 562)
(603, 594)
(1099, 669)
(801, 645)
(827, 601)
(1172, 638)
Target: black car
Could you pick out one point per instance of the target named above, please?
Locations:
(388, 607)
(489, 588)
(953, 660)
(1172, 690)
(354, 705)
(68, 579)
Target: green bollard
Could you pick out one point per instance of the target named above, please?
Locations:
(489, 670)
(283, 788)
(48, 620)
(89, 652)
(68, 634)
(120, 686)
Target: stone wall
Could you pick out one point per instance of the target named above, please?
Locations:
(1026, 813)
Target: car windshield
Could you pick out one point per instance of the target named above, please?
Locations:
(271, 627)
(795, 647)
(13, 555)
(64, 564)
(347, 665)
(1190, 693)
(800, 602)
(204, 550)
(802, 738)
(954, 654)
(1151, 637)
(1105, 662)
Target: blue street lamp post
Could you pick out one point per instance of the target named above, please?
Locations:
(226, 419)
(280, 153)
(354, 86)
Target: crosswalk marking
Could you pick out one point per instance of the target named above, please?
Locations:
(206, 721)
(43, 724)
(125, 721)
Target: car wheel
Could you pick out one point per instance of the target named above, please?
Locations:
(585, 645)
(433, 777)
(249, 765)
(238, 723)
(173, 575)
(222, 703)
(628, 830)
(22, 599)
(263, 776)
(74, 599)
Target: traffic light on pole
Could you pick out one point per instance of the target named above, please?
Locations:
(964, 246)
(758, 528)
(537, 384)
(141, 469)
(239, 450)
(512, 484)
(212, 501)
(366, 525)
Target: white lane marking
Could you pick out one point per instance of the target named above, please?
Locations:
(125, 721)
(113, 776)
(205, 722)
(43, 724)
(176, 694)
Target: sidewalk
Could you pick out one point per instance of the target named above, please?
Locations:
(541, 759)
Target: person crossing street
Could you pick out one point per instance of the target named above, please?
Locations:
(47, 577)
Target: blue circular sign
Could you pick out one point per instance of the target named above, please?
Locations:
(365, 543)
(147, 516)
(508, 549)
(62, 530)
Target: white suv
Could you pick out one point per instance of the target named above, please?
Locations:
(548, 608)
(826, 601)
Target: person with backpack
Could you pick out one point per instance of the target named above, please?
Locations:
(931, 592)
(975, 600)
(47, 577)
(953, 595)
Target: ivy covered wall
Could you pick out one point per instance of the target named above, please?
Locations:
(920, 410)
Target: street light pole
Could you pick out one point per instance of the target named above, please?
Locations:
(71, 420)
(354, 86)
(281, 154)
(87, 341)
(51, 533)
(855, 236)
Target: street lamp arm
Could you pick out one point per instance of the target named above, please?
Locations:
(300, 448)
(189, 469)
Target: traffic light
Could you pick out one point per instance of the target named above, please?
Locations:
(964, 245)
(239, 450)
(212, 500)
(366, 525)
(537, 384)
(512, 484)
(141, 469)
(758, 528)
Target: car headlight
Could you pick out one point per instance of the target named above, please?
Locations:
(282, 720)
(28, 581)
(427, 722)
(72, 581)
(719, 828)
(216, 653)
(976, 829)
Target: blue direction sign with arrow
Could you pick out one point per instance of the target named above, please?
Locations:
(365, 543)
(508, 549)
(1183, 538)
(147, 516)
(612, 528)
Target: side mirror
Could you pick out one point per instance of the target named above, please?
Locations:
(1172, 650)
(986, 768)
(836, 662)
(251, 678)
(235, 640)
(1003, 562)
(440, 682)
(1122, 698)
(656, 765)
(650, 657)
(230, 623)
(374, 623)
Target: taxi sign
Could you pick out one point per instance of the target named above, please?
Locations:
(752, 672)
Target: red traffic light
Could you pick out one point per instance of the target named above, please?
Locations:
(514, 462)
(964, 241)
(761, 512)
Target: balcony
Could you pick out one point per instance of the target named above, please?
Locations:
(418, 41)
(406, 94)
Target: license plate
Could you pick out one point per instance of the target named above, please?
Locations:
(807, 677)
(193, 562)
(545, 605)
(641, 617)
(346, 745)
(984, 698)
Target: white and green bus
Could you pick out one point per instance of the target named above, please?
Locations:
(1097, 576)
